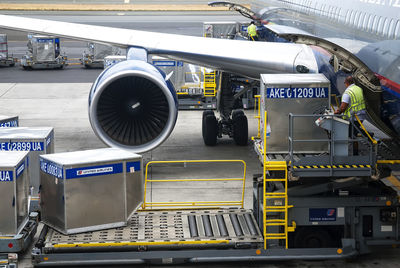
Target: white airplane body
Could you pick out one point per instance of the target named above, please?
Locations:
(133, 106)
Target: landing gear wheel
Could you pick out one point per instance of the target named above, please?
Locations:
(210, 130)
(240, 129)
(207, 112)
(309, 237)
(235, 113)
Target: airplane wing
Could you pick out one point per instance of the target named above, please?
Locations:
(236, 56)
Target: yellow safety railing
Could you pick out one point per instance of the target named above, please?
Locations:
(210, 85)
(257, 110)
(336, 100)
(365, 131)
(193, 204)
(281, 208)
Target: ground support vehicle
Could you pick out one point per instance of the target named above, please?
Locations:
(43, 53)
(5, 59)
(94, 56)
(196, 87)
(10, 246)
(302, 209)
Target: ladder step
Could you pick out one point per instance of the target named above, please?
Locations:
(275, 220)
(274, 238)
(283, 194)
(276, 234)
(275, 224)
(274, 210)
(275, 179)
(276, 207)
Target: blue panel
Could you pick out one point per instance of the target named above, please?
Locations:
(83, 172)
(6, 175)
(132, 166)
(44, 40)
(51, 168)
(20, 169)
(322, 214)
(22, 146)
(297, 93)
(13, 123)
(164, 62)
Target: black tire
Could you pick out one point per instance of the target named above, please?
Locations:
(240, 130)
(235, 113)
(28, 68)
(207, 112)
(210, 130)
(311, 237)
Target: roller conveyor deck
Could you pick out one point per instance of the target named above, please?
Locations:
(166, 229)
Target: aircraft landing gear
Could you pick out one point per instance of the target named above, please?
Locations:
(209, 128)
(235, 127)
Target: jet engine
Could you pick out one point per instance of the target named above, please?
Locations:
(133, 106)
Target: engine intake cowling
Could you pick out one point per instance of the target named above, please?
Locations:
(132, 106)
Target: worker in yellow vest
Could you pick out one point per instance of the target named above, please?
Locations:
(252, 32)
(352, 103)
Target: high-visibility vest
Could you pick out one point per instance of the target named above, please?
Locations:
(357, 100)
(252, 30)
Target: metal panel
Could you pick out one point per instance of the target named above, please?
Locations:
(43, 48)
(226, 29)
(296, 94)
(101, 51)
(3, 46)
(8, 121)
(37, 140)
(90, 190)
(14, 191)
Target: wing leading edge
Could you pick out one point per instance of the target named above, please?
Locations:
(241, 57)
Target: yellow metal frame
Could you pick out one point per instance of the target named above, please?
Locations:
(210, 85)
(366, 132)
(155, 243)
(275, 166)
(257, 110)
(336, 100)
(193, 204)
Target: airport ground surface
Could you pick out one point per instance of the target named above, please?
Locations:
(59, 99)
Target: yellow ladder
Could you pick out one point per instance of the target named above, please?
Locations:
(210, 84)
(279, 206)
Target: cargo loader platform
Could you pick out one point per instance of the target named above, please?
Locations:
(153, 231)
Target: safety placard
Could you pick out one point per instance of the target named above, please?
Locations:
(297, 93)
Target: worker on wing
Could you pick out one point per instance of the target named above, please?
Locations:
(252, 31)
(352, 103)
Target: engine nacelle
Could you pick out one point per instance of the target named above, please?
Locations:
(132, 106)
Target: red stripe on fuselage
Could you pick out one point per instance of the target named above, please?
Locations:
(388, 83)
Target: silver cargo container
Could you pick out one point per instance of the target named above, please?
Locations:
(220, 29)
(304, 94)
(37, 140)
(14, 192)
(8, 121)
(90, 190)
(3, 46)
